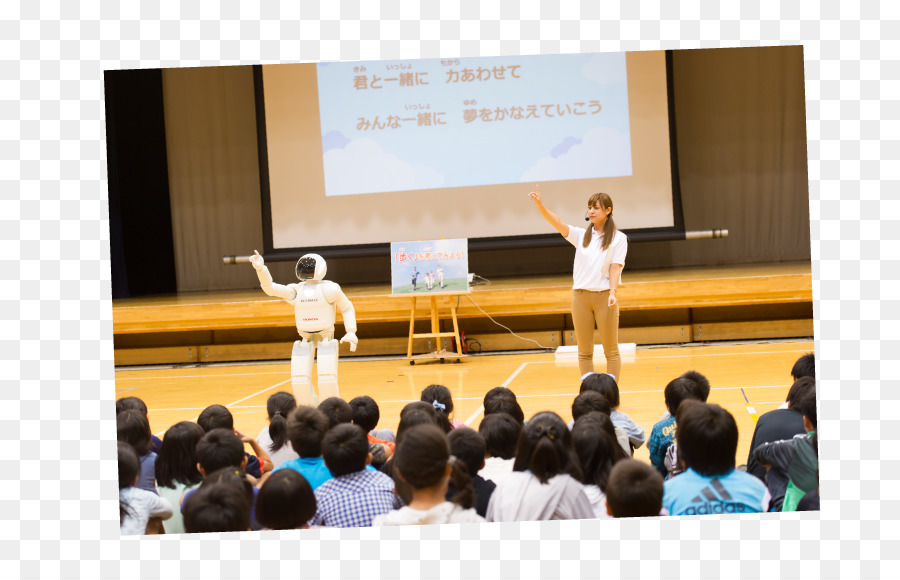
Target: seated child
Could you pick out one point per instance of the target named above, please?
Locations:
(597, 452)
(663, 433)
(126, 403)
(634, 490)
(176, 468)
(778, 425)
(222, 503)
(354, 496)
(468, 446)
(133, 428)
(699, 386)
(592, 401)
(424, 462)
(545, 482)
(273, 436)
(339, 411)
(606, 385)
(366, 414)
(285, 501)
(136, 506)
(439, 397)
(219, 417)
(710, 484)
(796, 457)
(306, 427)
(501, 436)
(503, 400)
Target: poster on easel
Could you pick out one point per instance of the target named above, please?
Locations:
(429, 267)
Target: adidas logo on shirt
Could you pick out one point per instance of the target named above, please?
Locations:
(714, 499)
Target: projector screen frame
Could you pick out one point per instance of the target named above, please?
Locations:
(675, 232)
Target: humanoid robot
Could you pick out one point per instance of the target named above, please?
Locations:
(315, 301)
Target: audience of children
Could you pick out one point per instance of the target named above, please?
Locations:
(273, 436)
(126, 403)
(437, 472)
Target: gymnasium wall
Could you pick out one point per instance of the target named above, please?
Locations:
(741, 145)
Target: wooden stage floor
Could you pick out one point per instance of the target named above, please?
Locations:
(541, 383)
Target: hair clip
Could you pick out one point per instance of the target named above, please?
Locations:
(438, 405)
(451, 460)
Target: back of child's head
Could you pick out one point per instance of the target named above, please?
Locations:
(596, 449)
(806, 404)
(345, 449)
(590, 401)
(222, 503)
(412, 418)
(700, 384)
(504, 403)
(634, 490)
(215, 417)
(501, 435)
(176, 461)
(126, 403)
(418, 406)
(438, 396)
(678, 390)
(129, 467)
(707, 438)
(218, 449)
(285, 501)
(804, 367)
(279, 407)
(365, 412)
(468, 446)
(602, 420)
(336, 410)
(545, 448)
(306, 427)
(604, 384)
(800, 387)
(133, 428)
(498, 392)
(422, 458)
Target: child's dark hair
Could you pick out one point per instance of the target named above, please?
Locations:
(439, 397)
(700, 384)
(279, 407)
(498, 392)
(596, 449)
(126, 403)
(365, 412)
(807, 405)
(336, 410)
(215, 417)
(345, 449)
(413, 418)
(285, 501)
(222, 503)
(634, 490)
(218, 449)
(590, 401)
(800, 387)
(804, 367)
(468, 446)
(133, 428)
(501, 435)
(421, 460)
(545, 448)
(418, 406)
(503, 403)
(305, 429)
(707, 438)
(679, 390)
(176, 461)
(603, 384)
(129, 467)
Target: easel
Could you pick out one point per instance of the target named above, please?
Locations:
(439, 353)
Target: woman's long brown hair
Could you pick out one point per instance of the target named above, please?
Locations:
(609, 228)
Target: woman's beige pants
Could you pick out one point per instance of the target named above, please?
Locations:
(589, 307)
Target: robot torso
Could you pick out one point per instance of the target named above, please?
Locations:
(312, 310)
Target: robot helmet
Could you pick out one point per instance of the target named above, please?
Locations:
(310, 267)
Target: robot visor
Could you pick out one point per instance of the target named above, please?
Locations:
(306, 268)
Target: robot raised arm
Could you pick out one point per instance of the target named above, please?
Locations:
(268, 284)
(336, 296)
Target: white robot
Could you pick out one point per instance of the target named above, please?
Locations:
(315, 301)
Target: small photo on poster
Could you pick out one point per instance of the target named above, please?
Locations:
(429, 267)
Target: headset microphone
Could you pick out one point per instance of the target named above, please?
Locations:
(586, 218)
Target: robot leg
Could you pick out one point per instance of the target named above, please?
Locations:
(328, 368)
(301, 373)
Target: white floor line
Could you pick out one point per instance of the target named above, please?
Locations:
(234, 403)
(505, 384)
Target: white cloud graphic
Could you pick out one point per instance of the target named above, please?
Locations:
(362, 166)
(604, 152)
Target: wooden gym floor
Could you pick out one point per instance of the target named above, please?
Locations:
(541, 383)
